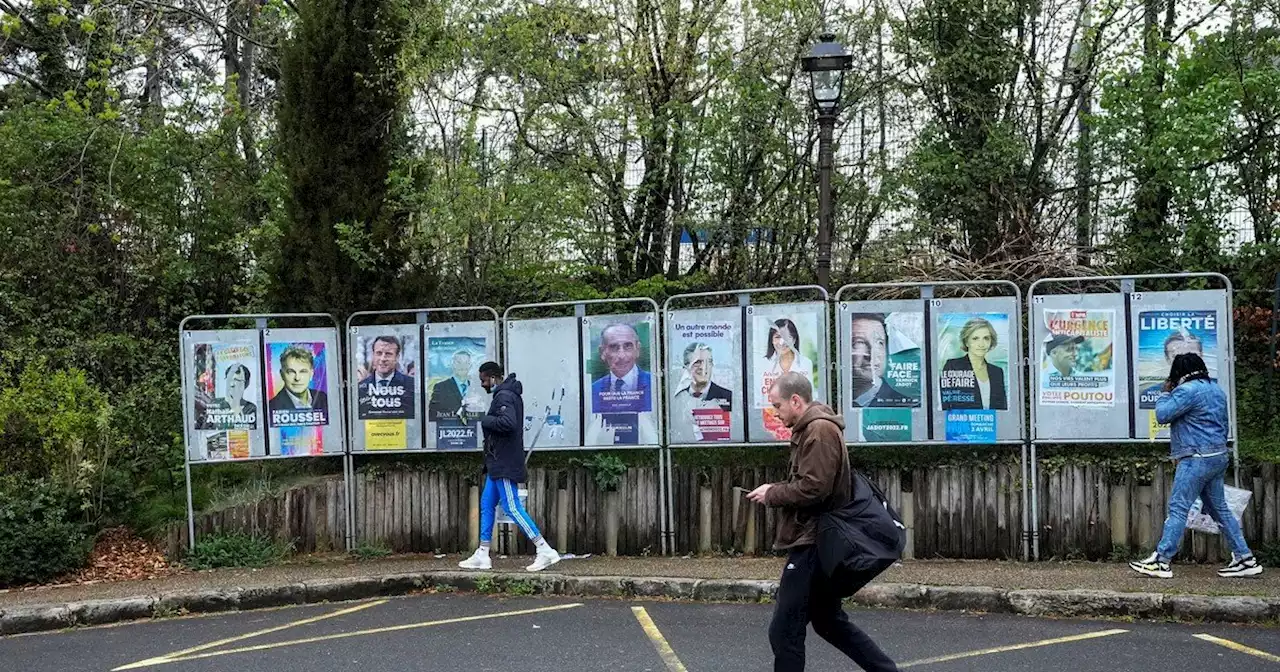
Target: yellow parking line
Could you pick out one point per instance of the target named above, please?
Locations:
(344, 635)
(665, 651)
(1012, 647)
(1239, 647)
(248, 635)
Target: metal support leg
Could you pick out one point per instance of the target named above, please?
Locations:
(1026, 508)
(662, 500)
(1035, 504)
(191, 512)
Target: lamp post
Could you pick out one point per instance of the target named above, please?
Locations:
(826, 64)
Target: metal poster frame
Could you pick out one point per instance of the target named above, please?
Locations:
(744, 299)
(260, 325)
(1128, 285)
(422, 316)
(1017, 362)
(658, 387)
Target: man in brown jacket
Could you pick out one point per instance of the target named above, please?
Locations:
(819, 481)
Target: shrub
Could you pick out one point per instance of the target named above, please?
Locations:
(235, 550)
(39, 536)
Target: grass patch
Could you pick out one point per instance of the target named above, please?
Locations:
(236, 550)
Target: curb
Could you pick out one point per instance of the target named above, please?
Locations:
(1056, 603)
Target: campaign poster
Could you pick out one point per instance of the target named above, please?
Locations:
(1165, 334)
(621, 405)
(885, 425)
(544, 355)
(785, 339)
(1076, 358)
(222, 393)
(972, 426)
(973, 351)
(226, 387)
(298, 388)
(886, 359)
(457, 402)
(705, 363)
(386, 372)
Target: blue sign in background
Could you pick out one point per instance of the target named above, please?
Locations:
(971, 426)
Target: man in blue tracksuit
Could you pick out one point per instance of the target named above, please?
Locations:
(504, 468)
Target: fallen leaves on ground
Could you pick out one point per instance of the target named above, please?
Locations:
(121, 555)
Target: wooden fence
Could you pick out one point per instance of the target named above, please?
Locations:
(951, 512)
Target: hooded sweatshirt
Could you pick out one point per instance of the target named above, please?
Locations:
(819, 477)
(504, 432)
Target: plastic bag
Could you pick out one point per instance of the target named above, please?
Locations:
(1200, 521)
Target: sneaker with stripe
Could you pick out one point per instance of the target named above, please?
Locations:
(1246, 566)
(1152, 566)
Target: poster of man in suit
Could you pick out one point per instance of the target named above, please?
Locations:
(704, 368)
(387, 387)
(457, 401)
(618, 363)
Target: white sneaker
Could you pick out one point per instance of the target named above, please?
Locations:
(1241, 567)
(478, 560)
(544, 560)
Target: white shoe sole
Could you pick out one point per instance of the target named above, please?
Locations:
(1154, 573)
(537, 567)
(465, 565)
(1251, 571)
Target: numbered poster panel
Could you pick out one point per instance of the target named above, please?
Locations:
(386, 372)
(881, 346)
(624, 398)
(1079, 367)
(704, 374)
(304, 392)
(455, 400)
(976, 372)
(782, 338)
(222, 395)
(544, 355)
(1165, 325)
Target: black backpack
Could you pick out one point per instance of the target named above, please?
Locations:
(858, 541)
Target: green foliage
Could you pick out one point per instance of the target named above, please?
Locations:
(342, 246)
(1268, 553)
(235, 550)
(40, 537)
(371, 551)
(606, 468)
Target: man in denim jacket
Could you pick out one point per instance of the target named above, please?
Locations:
(1195, 409)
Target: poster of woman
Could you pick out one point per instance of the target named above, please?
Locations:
(785, 338)
(974, 350)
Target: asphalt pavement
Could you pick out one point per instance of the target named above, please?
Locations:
(476, 633)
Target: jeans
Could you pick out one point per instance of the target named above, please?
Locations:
(503, 489)
(805, 596)
(1200, 477)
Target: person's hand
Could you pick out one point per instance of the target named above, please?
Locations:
(600, 434)
(1167, 387)
(759, 493)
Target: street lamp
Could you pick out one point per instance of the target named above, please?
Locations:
(826, 64)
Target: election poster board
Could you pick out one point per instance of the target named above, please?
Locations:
(455, 400)
(304, 392)
(976, 375)
(1165, 325)
(386, 373)
(881, 346)
(704, 370)
(624, 397)
(544, 354)
(222, 395)
(782, 338)
(1079, 366)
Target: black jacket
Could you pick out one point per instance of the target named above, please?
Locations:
(970, 397)
(858, 541)
(504, 432)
